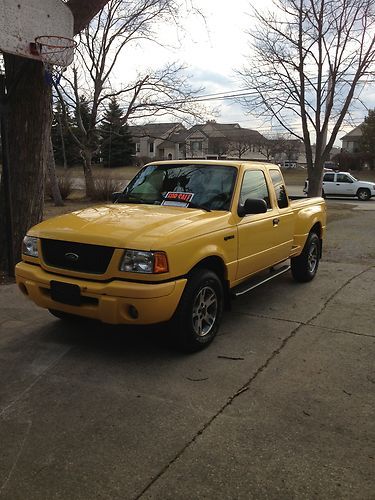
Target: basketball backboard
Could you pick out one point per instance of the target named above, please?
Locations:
(21, 21)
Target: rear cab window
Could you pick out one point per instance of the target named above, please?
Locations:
(278, 184)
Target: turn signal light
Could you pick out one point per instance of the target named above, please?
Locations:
(160, 262)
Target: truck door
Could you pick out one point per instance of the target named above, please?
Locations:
(329, 183)
(283, 231)
(345, 185)
(258, 239)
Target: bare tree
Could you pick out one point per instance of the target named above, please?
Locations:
(243, 140)
(271, 148)
(310, 59)
(165, 91)
(28, 128)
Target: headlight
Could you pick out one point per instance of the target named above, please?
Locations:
(138, 261)
(30, 246)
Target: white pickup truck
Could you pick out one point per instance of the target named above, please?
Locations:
(344, 184)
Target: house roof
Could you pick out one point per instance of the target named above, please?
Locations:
(231, 131)
(356, 132)
(176, 133)
(153, 130)
(177, 137)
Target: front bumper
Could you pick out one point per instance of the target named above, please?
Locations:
(110, 302)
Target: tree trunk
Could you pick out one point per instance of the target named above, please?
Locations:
(54, 183)
(28, 129)
(87, 170)
(62, 142)
(315, 175)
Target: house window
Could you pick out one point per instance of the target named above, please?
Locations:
(137, 147)
(196, 146)
(151, 147)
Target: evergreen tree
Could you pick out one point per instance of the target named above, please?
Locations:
(65, 150)
(117, 146)
(367, 143)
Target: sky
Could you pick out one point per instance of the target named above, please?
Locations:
(213, 47)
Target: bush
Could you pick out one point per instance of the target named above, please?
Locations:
(142, 160)
(65, 183)
(104, 187)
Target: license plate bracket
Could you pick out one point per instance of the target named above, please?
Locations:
(65, 293)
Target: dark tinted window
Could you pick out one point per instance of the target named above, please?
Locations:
(278, 184)
(254, 186)
(343, 178)
(329, 177)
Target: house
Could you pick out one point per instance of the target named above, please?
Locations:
(157, 140)
(223, 140)
(210, 140)
(351, 141)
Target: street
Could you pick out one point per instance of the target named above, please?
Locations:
(281, 405)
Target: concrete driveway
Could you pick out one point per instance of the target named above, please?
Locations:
(281, 405)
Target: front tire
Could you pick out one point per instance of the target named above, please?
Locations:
(198, 315)
(363, 194)
(305, 266)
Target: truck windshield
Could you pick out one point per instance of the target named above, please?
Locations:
(195, 186)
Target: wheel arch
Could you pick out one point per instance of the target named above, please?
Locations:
(317, 229)
(216, 264)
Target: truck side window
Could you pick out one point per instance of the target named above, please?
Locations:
(278, 184)
(329, 178)
(343, 178)
(254, 186)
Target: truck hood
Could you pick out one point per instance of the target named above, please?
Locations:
(366, 184)
(137, 226)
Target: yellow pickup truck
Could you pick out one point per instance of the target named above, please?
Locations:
(181, 240)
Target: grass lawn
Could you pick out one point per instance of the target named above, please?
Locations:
(77, 200)
(291, 175)
(125, 173)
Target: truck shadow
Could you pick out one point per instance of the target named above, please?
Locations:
(109, 340)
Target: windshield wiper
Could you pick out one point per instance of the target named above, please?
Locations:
(129, 198)
(197, 205)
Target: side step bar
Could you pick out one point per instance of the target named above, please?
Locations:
(258, 280)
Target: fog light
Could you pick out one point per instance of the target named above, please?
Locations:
(133, 312)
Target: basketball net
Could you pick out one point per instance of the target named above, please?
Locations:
(56, 53)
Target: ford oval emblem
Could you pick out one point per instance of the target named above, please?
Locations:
(73, 257)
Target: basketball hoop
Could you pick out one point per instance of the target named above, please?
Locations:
(55, 51)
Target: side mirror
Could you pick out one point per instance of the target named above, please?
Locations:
(252, 206)
(116, 196)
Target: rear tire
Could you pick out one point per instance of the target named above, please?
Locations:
(305, 266)
(198, 315)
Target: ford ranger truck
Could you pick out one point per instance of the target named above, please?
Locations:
(181, 240)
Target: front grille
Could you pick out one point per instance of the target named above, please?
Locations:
(79, 257)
